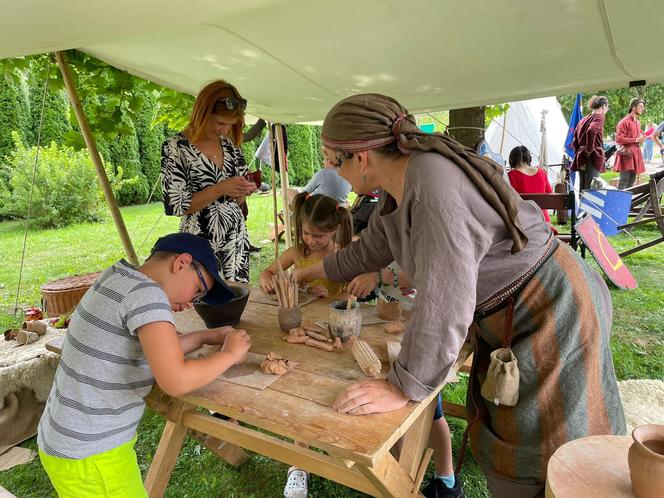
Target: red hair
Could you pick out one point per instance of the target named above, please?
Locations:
(207, 104)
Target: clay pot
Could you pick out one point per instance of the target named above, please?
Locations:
(10, 334)
(345, 323)
(25, 337)
(289, 318)
(388, 310)
(34, 326)
(646, 461)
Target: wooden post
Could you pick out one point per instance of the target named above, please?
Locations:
(283, 170)
(96, 158)
(274, 191)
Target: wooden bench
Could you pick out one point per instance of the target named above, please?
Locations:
(562, 203)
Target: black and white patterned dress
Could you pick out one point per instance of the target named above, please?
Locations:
(185, 170)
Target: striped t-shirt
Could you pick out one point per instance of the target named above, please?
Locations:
(96, 401)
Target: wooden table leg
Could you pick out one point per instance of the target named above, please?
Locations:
(402, 478)
(167, 452)
(416, 440)
(389, 478)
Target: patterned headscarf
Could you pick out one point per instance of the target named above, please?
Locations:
(370, 121)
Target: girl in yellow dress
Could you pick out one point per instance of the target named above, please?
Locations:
(321, 227)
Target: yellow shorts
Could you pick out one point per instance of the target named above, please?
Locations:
(110, 474)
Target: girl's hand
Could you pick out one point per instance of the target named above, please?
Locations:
(265, 280)
(370, 396)
(362, 285)
(320, 291)
(218, 335)
(236, 186)
(237, 344)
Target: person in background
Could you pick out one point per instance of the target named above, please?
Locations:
(629, 136)
(588, 143)
(248, 136)
(527, 179)
(657, 138)
(202, 172)
(328, 182)
(648, 144)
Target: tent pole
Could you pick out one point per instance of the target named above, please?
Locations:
(544, 161)
(274, 191)
(502, 136)
(283, 170)
(96, 159)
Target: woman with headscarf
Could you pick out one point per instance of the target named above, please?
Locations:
(202, 172)
(485, 262)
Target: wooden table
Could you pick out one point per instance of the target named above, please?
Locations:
(297, 406)
(590, 467)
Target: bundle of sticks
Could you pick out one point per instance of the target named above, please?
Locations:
(286, 288)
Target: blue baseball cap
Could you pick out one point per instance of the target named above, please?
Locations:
(200, 249)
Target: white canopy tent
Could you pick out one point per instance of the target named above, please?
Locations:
(520, 125)
(293, 59)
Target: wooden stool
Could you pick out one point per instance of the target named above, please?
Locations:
(594, 466)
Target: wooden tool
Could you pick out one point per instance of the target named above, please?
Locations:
(286, 288)
(366, 358)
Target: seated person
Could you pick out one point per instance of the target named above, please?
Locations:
(527, 179)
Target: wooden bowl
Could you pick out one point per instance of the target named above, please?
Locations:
(221, 315)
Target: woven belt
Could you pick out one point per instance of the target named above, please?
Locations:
(499, 298)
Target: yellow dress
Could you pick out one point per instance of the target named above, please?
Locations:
(333, 288)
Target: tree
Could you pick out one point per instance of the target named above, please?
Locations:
(301, 161)
(123, 155)
(467, 125)
(150, 136)
(14, 109)
(56, 123)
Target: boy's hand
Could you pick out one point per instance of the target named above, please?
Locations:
(362, 285)
(218, 335)
(237, 344)
(265, 280)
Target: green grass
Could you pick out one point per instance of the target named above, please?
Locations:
(637, 343)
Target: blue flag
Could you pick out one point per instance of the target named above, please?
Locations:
(577, 115)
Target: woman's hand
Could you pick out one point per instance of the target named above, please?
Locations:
(362, 285)
(236, 186)
(370, 396)
(265, 280)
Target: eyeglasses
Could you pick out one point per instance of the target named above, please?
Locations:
(231, 103)
(200, 296)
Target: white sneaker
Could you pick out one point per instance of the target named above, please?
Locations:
(297, 485)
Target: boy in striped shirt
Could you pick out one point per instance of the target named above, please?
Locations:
(120, 339)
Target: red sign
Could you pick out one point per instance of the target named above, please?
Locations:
(605, 255)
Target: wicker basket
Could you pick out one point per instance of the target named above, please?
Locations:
(61, 296)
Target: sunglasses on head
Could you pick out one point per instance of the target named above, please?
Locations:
(232, 103)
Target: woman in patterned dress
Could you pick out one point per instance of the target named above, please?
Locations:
(202, 172)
